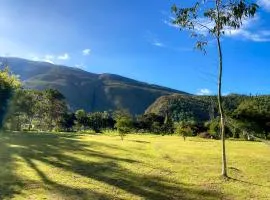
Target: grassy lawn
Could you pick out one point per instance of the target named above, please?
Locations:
(66, 166)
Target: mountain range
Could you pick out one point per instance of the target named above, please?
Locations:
(88, 91)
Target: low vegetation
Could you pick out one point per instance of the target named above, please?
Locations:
(72, 166)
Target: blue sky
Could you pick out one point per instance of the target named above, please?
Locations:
(135, 39)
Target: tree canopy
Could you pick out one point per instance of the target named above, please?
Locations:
(8, 84)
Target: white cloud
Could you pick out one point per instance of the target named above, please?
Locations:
(48, 61)
(226, 93)
(265, 4)
(65, 56)
(204, 92)
(169, 23)
(49, 57)
(86, 52)
(246, 32)
(42, 59)
(158, 44)
(80, 66)
(153, 39)
(199, 29)
(35, 58)
(259, 36)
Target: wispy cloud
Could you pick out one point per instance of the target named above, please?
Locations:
(246, 32)
(86, 52)
(49, 61)
(169, 22)
(259, 36)
(80, 66)
(264, 4)
(65, 56)
(204, 91)
(226, 93)
(153, 39)
(158, 44)
(49, 58)
(46, 58)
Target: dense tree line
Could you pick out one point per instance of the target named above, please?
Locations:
(47, 110)
(245, 115)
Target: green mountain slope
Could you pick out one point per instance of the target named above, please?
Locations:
(199, 108)
(182, 107)
(92, 92)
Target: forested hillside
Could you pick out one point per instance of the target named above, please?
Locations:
(199, 108)
(243, 113)
(88, 91)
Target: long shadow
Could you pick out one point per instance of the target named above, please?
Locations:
(65, 190)
(140, 141)
(247, 182)
(108, 169)
(10, 183)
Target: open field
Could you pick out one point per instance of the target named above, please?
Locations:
(66, 166)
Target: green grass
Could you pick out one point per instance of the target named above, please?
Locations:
(66, 166)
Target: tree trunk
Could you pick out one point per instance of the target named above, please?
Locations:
(30, 124)
(221, 111)
(51, 124)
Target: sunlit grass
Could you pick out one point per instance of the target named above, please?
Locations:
(67, 166)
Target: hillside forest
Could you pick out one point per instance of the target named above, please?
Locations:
(22, 109)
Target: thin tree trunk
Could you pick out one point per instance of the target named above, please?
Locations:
(221, 111)
(30, 124)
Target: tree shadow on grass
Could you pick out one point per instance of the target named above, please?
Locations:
(108, 169)
(140, 141)
(247, 182)
(10, 184)
(66, 191)
(201, 140)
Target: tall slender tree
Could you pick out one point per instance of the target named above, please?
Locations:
(214, 18)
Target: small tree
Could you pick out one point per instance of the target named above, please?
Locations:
(214, 17)
(81, 118)
(183, 129)
(124, 122)
(168, 126)
(95, 121)
(124, 126)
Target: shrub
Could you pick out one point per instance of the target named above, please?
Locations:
(213, 128)
(124, 126)
(206, 135)
(183, 129)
